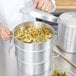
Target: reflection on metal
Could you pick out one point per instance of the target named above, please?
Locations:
(56, 50)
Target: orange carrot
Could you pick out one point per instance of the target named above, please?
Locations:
(46, 31)
(34, 33)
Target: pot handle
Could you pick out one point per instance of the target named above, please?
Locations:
(39, 14)
(11, 46)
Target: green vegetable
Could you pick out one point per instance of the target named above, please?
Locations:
(56, 73)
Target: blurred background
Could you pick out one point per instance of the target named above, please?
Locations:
(65, 5)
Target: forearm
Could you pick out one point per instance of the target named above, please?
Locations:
(0, 30)
(0, 25)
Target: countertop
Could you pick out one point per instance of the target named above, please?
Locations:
(65, 5)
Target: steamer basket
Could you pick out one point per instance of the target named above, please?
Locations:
(33, 69)
(33, 56)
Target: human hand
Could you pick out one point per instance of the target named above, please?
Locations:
(5, 34)
(45, 5)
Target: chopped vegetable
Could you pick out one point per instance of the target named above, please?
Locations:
(56, 73)
(33, 34)
(46, 31)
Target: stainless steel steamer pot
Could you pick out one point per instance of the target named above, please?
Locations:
(34, 58)
(67, 32)
(66, 27)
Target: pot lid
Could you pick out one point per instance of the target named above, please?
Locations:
(68, 18)
(39, 14)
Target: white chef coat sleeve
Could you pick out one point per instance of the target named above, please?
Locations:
(0, 16)
(0, 21)
(53, 6)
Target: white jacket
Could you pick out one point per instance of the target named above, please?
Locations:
(9, 11)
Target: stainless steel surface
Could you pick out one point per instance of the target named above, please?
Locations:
(56, 50)
(39, 14)
(33, 57)
(67, 32)
(37, 56)
(34, 69)
(47, 73)
(62, 63)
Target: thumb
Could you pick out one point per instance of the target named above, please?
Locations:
(7, 30)
(11, 33)
(36, 3)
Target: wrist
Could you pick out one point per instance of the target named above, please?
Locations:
(0, 29)
(53, 5)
